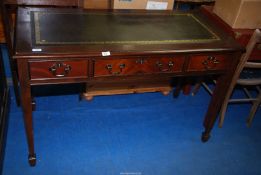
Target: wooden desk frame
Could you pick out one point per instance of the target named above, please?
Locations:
(56, 66)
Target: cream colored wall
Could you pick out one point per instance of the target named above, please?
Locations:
(239, 13)
(249, 15)
(138, 4)
(227, 10)
(116, 4)
(97, 4)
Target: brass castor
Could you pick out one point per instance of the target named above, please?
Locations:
(205, 137)
(165, 92)
(89, 98)
(32, 160)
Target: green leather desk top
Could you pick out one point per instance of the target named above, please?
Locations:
(49, 32)
(117, 28)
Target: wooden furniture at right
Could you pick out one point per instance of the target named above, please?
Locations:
(244, 63)
(245, 78)
(242, 36)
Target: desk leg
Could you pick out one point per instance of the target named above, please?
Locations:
(218, 97)
(25, 87)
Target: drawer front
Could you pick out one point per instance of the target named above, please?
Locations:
(208, 62)
(137, 66)
(58, 69)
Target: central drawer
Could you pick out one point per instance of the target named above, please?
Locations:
(137, 66)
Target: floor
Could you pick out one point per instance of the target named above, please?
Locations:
(132, 134)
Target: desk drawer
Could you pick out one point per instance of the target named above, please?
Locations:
(133, 66)
(208, 62)
(58, 69)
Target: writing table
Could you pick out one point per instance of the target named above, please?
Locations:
(61, 46)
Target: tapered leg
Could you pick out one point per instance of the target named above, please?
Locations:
(227, 97)
(214, 107)
(218, 96)
(27, 108)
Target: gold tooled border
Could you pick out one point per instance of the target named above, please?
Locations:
(43, 42)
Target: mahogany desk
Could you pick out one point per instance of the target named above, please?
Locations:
(61, 46)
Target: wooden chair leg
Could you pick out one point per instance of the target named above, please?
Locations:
(177, 5)
(253, 110)
(222, 113)
(196, 88)
(228, 95)
(224, 105)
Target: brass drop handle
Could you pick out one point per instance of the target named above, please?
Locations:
(140, 61)
(66, 69)
(205, 63)
(122, 66)
(109, 68)
(171, 64)
(210, 60)
(213, 59)
(160, 66)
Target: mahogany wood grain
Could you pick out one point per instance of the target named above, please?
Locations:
(156, 64)
(218, 97)
(138, 66)
(2, 35)
(26, 99)
(208, 62)
(45, 69)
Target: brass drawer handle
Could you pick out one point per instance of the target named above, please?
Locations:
(213, 59)
(66, 69)
(160, 66)
(109, 68)
(140, 61)
(210, 61)
(171, 64)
